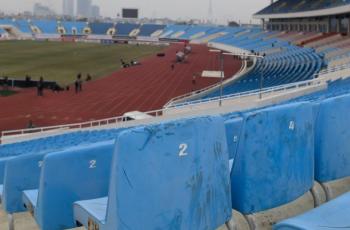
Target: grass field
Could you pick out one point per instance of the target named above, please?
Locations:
(6, 93)
(60, 62)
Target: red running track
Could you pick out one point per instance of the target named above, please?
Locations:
(143, 88)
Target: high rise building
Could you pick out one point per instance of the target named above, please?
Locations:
(42, 10)
(95, 11)
(83, 8)
(68, 7)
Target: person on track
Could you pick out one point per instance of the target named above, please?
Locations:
(40, 87)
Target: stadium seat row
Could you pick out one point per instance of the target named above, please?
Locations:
(189, 173)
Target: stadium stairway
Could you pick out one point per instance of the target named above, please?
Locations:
(144, 88)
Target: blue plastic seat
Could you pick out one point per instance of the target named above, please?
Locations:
(21, 173)
(167, 176)
(274, 164)
(67, 177)
(332, 139)
(331, 215)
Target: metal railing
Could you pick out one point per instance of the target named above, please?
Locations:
(334, 69)
(295, 85)
(82, 125)
(122, 120)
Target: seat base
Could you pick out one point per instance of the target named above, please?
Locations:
(30, 198)
(91, 212)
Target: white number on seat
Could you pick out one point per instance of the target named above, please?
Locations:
(92, 164)
(183, 148)
(40, 164)
(291, 125)
(235, 139)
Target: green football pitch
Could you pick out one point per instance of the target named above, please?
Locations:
(61, 62)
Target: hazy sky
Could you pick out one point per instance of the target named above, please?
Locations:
(223, 10)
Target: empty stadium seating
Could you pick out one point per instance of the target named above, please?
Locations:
(100, 28)
(57, 143)
(174, 31)
(289, 64)
(23, 26)
(191, 173)
(187, 184)
(30, 154)
(124, 29)
(67, 177)
(46, 26)
(271, 150)
(73, 27)
(148, 29)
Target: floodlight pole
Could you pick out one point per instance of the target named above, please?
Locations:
(222, 74)
(242, 55)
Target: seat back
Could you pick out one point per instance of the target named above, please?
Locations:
(21, 173)
(3, 162)
(332, 150)
(71, 176)
(275, 158)
(171, 176)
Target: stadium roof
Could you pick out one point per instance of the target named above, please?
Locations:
(304, 8)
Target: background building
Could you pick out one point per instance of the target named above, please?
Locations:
(95, 11)
(42, 11)
(84, 8)
(68, 7)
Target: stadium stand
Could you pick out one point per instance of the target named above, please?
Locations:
(298, 130)
(45, 26)
(261, 166)
(174, 31)
(286, 64)
(6, 21)
(194, 32)
(148, 29)
(2, 31)
(100, 28)
(73, 28)
(124, 29)
(23, 26)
